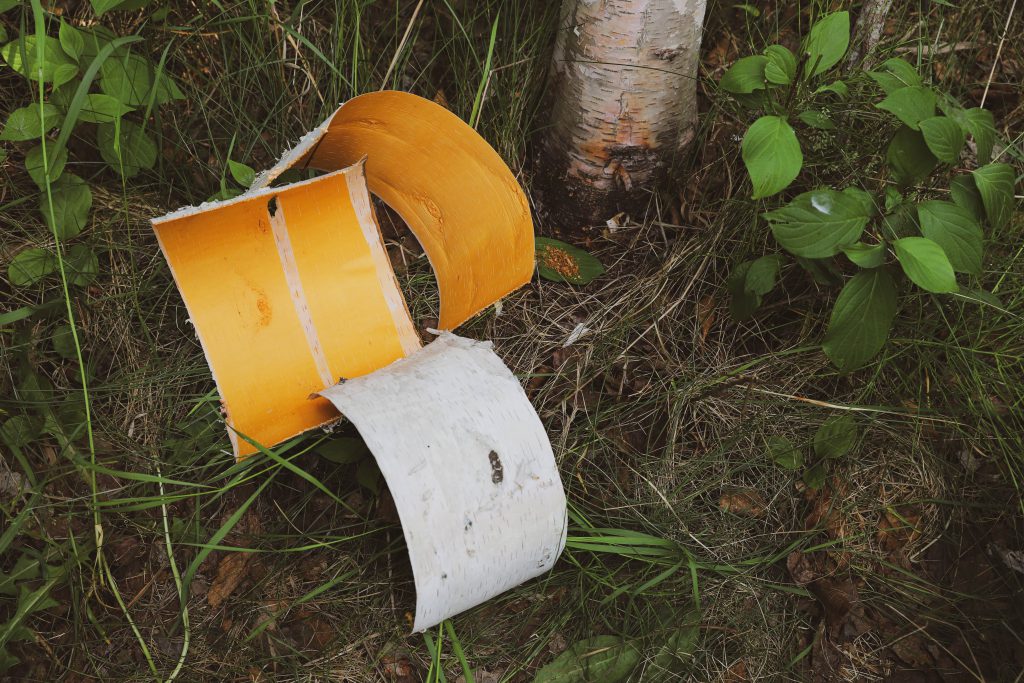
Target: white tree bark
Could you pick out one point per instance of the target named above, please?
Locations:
(623, 83)
(470, 467)
(868, 31)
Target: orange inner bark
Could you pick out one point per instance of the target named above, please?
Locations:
(262, 335)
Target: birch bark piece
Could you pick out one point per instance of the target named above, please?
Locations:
(470, 467)
(289, 289)
(452, 189)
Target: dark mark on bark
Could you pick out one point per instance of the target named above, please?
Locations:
(667, 53)
(272, 206)
(497, 472)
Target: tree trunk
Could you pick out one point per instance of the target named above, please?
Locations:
(623, 96)
(868, 32)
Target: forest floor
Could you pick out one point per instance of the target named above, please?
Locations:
(906, 564)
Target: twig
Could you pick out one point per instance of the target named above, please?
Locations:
(401, 45)
(999, 51)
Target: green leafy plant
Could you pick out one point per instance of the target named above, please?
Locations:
(835, 438)
(902, 228)
(95, 86)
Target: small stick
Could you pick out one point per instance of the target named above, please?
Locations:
(999, 51)
(401, 45)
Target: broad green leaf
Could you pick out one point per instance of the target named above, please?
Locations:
(965, 194)
(745, 76)
(911, 105)
(81, 265)
(675, 652)
(944, 138)
(24, 123)
(818, 224)
(816, 119)
(30, 266)
(955, 230)
(909, 158)
(823, 271)
(35, 168)
(608, 659)
(368, 475)
(980, 124)
(762, 273)
(242, 174)
(226, 193)
(3, 33)
(835, 437)
(167, 88)
(838, 88)
(995, 185)
(127, 79)
(866, 255)
(102, 109)
(893, 198)
(864, 198)
(63, 342)
(902, 221)
(752, 100)
(96, 38)
(742, 303)
(861, 319)
(72, 200)
(18, 432)
(71, 40)
(56, 64)
(772, 155)
(561, 262)
(894, 74)
(925, 264)
(134, 152)
(781, 66)
(815, 475)
(784, 454)
(101, 7)
(826, 43)
(344, 450)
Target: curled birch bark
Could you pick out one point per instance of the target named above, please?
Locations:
(470, 468)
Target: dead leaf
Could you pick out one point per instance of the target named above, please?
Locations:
(746, 503)
(706, 316)
(837, 595)
(482, 676)
(398, 667)
(897, 528)
(736, 673)
(913, 650)
(231, 571)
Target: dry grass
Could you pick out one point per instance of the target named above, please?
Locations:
(658, 413)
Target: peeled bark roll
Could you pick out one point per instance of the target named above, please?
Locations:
(623, 103)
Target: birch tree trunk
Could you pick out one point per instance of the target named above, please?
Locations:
(868, 32)
(623, 87)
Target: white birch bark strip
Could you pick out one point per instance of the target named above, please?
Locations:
(470, 467)
(279, 226)
(359, 195)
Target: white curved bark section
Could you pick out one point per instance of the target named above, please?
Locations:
(624, 81)
(470, 467)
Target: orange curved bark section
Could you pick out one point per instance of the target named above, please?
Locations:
(452, 189)
(289, 289)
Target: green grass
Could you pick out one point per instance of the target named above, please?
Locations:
(653, 419)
